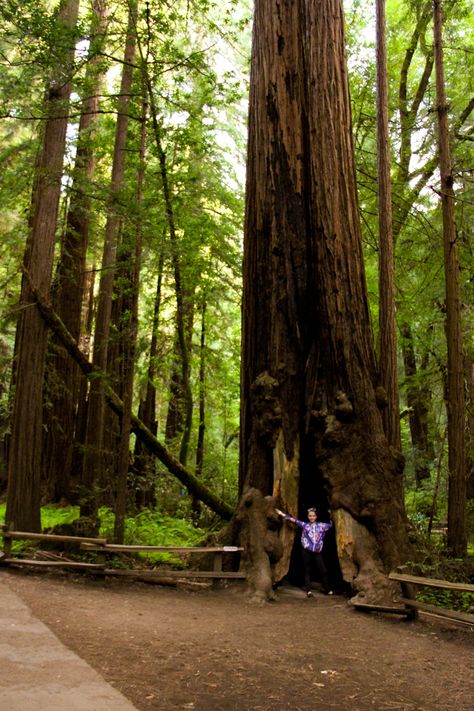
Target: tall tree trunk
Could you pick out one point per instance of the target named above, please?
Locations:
(202, 406)
(4, 419)
(387, 323)
(92, 471)
(311, 429)
(68, 293)
(180, 405)
(81, 413)
(457, 518)
(144, 462)
(24, 467)
(181, 400)
(417, 402)
(131, 258)
(470, 428)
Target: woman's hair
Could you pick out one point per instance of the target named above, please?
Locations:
(312, 510)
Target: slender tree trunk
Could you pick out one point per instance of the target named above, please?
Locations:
(417, 402)
(181, 393)
(457, 519)
(469, 367)
(311, 429)
(387, 322)
(202, 405)
(92, 471)
(202, 393)
(63, 372)
(4, 419)
(128, 337)
(180, 405)
(408, 116)
(144, 463)
(81, 414)
(24, 467)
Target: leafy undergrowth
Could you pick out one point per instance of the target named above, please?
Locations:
(432, 561)
(149, 528)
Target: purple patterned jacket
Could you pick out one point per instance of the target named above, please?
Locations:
(312, 534)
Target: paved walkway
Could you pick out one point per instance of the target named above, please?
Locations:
(38, 673)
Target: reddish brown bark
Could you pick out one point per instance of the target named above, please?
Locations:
(24, 468)
(63, 375)
(311, 429)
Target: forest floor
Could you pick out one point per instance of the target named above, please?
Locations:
(211, 650)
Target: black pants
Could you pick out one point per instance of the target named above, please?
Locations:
(316, 560)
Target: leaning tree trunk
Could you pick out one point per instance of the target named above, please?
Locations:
(23, 496)
(191, 482)
(311, 428)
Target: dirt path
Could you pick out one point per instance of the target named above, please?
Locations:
(210, 650)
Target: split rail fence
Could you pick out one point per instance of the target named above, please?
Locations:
(103, 550)
(410, 606)
(409, 585)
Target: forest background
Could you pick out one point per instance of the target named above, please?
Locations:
(123, 138)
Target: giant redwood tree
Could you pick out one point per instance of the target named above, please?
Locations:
(23, 496)
(311, 424)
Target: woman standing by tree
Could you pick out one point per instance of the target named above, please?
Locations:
(312, 540)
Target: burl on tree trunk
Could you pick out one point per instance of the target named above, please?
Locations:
(259, 526)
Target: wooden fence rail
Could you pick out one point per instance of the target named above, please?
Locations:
(408, 582)
(409, 605)
(104, 549)
(217, 553)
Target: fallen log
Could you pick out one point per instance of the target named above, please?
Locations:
(192, 483)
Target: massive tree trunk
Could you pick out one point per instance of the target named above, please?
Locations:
(23, 497)
(311, 428)
(457, 514)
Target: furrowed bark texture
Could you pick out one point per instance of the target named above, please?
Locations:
(62, 374)
(311, 429)
(23, 496)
